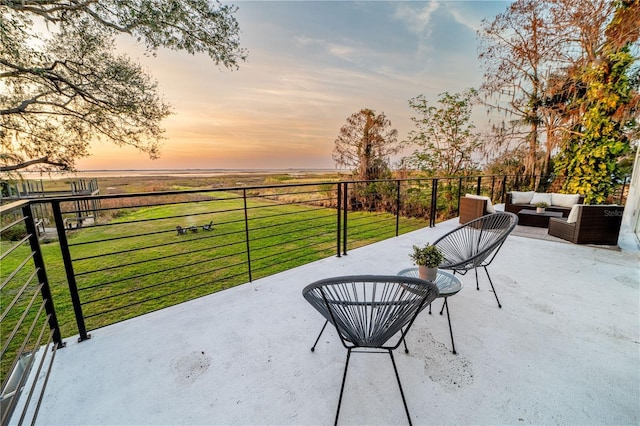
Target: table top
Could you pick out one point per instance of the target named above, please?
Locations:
(545, 213)
(447, 283)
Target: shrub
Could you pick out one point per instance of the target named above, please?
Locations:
(15, 233)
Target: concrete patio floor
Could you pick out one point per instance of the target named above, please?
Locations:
(564, 349)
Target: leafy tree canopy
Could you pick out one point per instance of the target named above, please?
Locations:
(608, 120)
(445, 136)
(63, 89)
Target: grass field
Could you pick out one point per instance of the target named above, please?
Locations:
(135, 184)
(135, 262)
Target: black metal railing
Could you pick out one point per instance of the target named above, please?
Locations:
(28, 322)
(142, 252)
(135, 253)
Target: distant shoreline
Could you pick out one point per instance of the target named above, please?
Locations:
(172, 172)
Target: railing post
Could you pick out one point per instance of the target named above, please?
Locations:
(398, 208)
(478, 185)
(493, 186)
(504, 189)
(246, 233)
(42, 276)
(434, 202)
(68, 267)
(459, 194)
(345, 206)
(338, 218)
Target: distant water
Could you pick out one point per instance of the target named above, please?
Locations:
(170, 172)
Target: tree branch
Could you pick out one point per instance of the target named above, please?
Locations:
(41, 160)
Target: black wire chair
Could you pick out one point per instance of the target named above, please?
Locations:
(368, 311)
(475, 244)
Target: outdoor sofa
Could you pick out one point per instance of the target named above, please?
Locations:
(562, 203)
(589, 225)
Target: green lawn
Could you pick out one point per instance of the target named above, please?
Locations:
(138, 263)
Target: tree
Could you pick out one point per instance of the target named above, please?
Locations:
(518, 51)
(536, 57)
(445, 136)
(366, 143)
(607, 108)
(65, 89)
(510, 162)
(583, 27)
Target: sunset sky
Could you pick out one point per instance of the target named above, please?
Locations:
(310, 66)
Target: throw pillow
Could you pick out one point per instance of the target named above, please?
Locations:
(490, 208)
(573, 214)
(541, 197)
(518, 197)
(564, 200)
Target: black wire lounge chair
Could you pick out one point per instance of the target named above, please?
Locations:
(368, 311)
(475, 244)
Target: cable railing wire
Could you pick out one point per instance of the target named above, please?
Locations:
(226, 278)
(152, 259)
(178, 279)
(18, 295)
(160, 271)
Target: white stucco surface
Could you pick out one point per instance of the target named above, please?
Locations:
(564, 349)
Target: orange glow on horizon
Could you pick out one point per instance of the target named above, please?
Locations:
(284, 107)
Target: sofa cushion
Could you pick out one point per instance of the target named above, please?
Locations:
(564, 200)
(573, 214)
(518, 197)
(541, 197)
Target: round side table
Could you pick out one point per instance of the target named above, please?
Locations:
(448, 285)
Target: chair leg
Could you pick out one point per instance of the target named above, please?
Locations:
(406, 409)
(344, 378)
(313, 348)
(477, 284)
(494, 290)
(453, 345)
